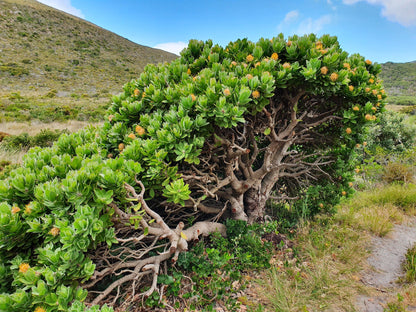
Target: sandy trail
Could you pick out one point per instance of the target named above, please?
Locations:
(388, 254)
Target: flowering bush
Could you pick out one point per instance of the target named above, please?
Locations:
(214, 134)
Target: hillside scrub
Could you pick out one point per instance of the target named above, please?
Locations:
(209, 137)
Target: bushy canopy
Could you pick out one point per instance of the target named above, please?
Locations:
(215, 133)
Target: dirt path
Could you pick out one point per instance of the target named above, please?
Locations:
(388, 254)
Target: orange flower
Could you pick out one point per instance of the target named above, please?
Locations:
(324, 70)
(374, 108)
(321, 205)
(110, 117)
(255, 94)
(374, 92)
(319, 45)
(249, 58)
(379, 96)
(132, 136)
(368, 117)
(333, 77)
(324, 51)
(40, 309)
(347, 66)
(227, 92)
(357, 170)
(15, 209)
(343, 193)
(143, 94)
(249, 76)
(367, 89)
(364, 143)
(371, 80)
(357, 145)
(24, 267)
(275, 56)
(286, 65)
(28, 209)
(188, 71)
(234, 63)
(54, 231)
(136, 92)
(140, 130)
(121, 147)
(257, 64)
(350, 184)
(351, 88)
(193, 97)
(348, 130)
(289, 43)
(368, 62)
(356, 108)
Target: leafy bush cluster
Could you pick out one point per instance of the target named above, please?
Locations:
(45, 138)
(203, 135)
(389, 153)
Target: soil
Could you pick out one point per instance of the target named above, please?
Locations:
(388, 254)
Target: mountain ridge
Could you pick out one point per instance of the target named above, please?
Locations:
(46, 49)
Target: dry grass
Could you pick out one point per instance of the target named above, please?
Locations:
(34, 127)
(14, 157)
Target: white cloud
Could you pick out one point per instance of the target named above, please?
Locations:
(296, 24)
(173, 47)
(291, 16)
(63, 5)
(310, 25)
(400, 11)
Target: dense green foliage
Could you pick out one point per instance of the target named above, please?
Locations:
(303, 99)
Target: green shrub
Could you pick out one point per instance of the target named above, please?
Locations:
(398, 172)
(392, 133)
(211, 135)
(44, 138)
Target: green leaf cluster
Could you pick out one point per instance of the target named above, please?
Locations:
(55, 207)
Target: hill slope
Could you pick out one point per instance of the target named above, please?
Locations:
(400, 82)
(46, 53)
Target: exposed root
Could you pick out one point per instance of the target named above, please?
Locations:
(130, 261)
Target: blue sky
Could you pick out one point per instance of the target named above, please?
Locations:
(380, 30)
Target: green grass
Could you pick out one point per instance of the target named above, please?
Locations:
(409, 265)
